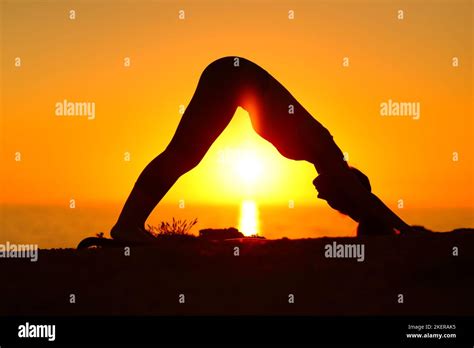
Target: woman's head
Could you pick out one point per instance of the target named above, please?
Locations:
(332, 188)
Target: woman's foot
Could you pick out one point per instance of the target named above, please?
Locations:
(131, 234)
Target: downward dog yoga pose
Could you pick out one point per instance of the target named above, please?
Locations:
(224, 85)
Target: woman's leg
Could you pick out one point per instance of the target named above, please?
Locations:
(207, 115)
(278, 117)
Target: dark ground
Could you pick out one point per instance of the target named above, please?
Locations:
(149, 281)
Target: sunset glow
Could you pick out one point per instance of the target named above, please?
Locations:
(249, 167)
(138, 69)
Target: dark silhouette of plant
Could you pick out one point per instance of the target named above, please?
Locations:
(175, 228)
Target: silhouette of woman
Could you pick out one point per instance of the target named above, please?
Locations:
(277, 116)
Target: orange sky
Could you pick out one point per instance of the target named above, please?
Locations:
(137, 107)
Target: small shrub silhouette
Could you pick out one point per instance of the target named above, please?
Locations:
(175, 228)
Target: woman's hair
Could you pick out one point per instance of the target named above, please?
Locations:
(364, 180)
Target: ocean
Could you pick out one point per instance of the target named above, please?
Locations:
(62, 227)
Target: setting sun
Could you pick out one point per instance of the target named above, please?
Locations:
(248, 166)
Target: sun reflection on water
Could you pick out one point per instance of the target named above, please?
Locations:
(249, 220)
